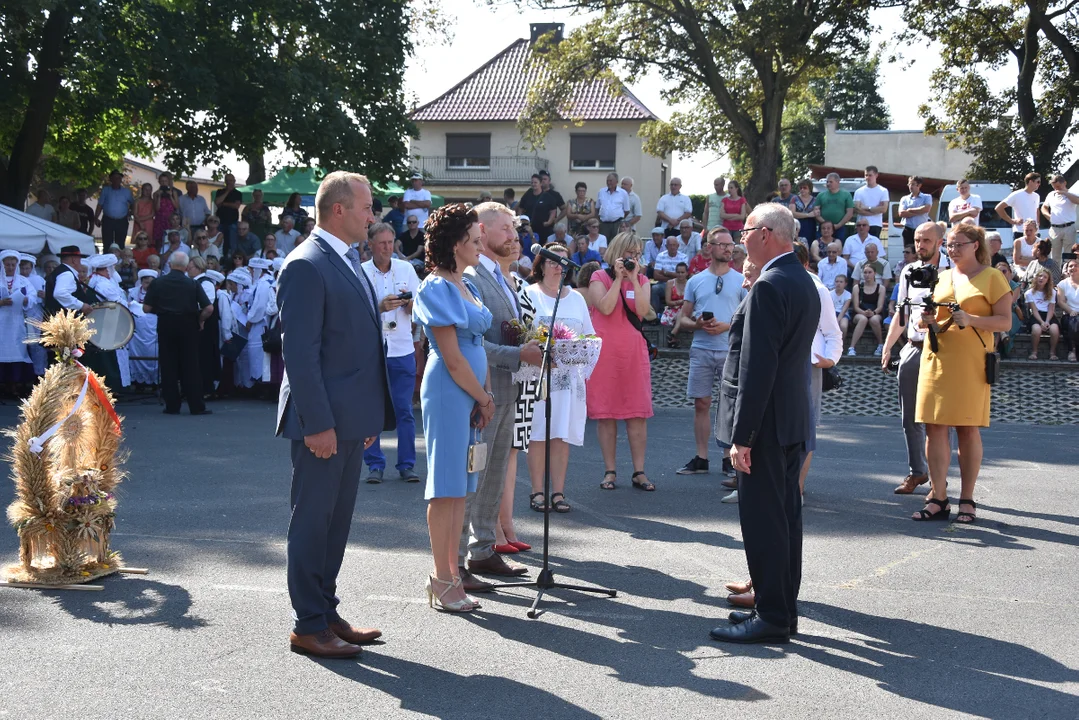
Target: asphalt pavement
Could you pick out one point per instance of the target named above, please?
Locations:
(899, 619)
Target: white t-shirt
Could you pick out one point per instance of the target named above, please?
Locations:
(1024, 206)
(45, 212)
(400, 278)
(1038, 300)
(1061, 209)
(674, 206)
(421, 195)
(855, 247)
(959, 205)
(838, 301)
(599, 244)
(871, 197)
(1070, 293)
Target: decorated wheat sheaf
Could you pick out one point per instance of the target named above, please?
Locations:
(66, 467)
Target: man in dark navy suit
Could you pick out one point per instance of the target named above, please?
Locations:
(764, 417)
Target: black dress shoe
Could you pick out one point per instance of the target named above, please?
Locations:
(754, 630)
(497, 565)
(203, 412)
(472, 583)
(740, 616)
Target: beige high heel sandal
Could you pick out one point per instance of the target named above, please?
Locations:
(434, 599)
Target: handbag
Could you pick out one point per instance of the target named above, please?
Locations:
(231, 349)
(477, 453)
(271, 339)
(831, 379)
(992, 361)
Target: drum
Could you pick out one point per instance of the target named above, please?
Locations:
(112, 325)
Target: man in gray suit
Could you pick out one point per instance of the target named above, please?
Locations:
(334, 402)
(498, 233)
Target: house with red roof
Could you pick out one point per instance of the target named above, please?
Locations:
(469, 142)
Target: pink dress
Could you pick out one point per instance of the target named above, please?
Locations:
(165, 209)
(621, 384)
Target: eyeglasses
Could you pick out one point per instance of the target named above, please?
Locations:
(722, 244)
(413, 222)
(757, 227)
(719, 285)
(956, 245)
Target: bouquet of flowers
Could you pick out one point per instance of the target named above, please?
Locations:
(573, 353)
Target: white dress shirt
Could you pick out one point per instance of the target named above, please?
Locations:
(829, 271)
(828, 341)
(492, 267)
(339, 245)
(401, 277)
(64, 290)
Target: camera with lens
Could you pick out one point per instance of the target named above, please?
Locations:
(924, 277)
(629, 265)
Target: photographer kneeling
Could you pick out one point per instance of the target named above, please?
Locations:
(953, 389)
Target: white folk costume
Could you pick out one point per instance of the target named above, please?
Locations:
(256, 304)
(226, 325)
(15, 365)
(240, 302)
(144, 342)
(108, 289)
(35, 313)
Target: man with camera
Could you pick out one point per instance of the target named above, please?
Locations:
(394, 281)
(915, 284)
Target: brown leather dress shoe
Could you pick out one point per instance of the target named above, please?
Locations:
(731, 483)
(472, 583)
(740, 587)
(497, 565)
(323, 644)
(743, 600)
(910, 482)
(354, 635)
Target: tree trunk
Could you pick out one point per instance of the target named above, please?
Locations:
(30, 142)
(256, 168)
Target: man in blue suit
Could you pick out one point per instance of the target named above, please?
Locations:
(764, 418)
(334, 402)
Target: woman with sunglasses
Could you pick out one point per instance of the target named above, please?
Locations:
(952, 387)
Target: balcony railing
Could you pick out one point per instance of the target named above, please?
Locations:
(494, 170)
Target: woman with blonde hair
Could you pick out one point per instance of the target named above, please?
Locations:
(1041, 302)
(953, 386)
(621, 384)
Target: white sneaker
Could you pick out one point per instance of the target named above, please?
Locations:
(879, 351)
(851, 352)
(732, 498)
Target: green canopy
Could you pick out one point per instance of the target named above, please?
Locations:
(305, 181)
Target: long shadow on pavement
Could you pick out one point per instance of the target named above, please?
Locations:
(133, 601)
(438, 693)
(939, 666)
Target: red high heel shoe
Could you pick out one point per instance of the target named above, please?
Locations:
(523, 547)
(507, 549)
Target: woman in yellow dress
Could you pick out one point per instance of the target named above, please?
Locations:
(952, 387)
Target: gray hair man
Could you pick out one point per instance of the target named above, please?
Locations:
(927, 239)
(636, 210)
(395, 282)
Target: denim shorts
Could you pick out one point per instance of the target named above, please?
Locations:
(705, 370)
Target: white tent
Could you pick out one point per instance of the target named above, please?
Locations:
(26, 233)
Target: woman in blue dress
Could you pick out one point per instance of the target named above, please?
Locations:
(455, 394)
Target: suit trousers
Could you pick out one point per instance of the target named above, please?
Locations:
(113, 232)
(910, 363)
(770, 510)
(323, 498)
(178, 354)
(481, 507)
(402, 374)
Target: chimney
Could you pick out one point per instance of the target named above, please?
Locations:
(538, 30)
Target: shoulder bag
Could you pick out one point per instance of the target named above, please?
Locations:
(635, 321)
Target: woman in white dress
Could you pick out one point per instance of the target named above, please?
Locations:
(567, 392)
(35, 312)
(144, 342)
(15, 367)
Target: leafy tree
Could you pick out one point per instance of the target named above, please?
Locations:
(84, 82)
(735, 64)
(1024, 127)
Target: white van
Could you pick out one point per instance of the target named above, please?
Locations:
(991, 195)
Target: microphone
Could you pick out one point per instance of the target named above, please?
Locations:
(567, 264)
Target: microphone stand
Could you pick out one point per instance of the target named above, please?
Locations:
(545, 580)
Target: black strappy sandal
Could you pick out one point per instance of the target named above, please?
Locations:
(647, 485)
(966, 518)
(537, 505)
(941, 514)
(560, 505)
(608, 484)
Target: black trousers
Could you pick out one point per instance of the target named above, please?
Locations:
(178, 354)
(113, 232)
(770, 511)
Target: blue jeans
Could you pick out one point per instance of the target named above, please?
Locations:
(402, 372)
